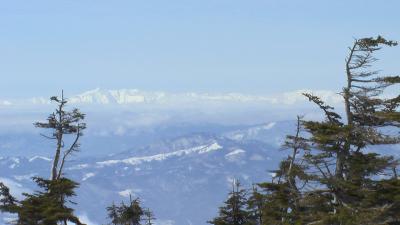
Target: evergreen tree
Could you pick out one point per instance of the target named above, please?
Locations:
(148, 217)
(63, 123)
(49, 207)
(283, 194)
(336, 175)
(131, 214)
(8, 203)
(256, 205)
(234, 212)
(113, 214)
(349, 177)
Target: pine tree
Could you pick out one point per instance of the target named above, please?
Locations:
(49, 207)
(281, 197)
(8, 203)
(256, 205)
(113, 214)
(336, 174)
(234, 212)
(63, 123)
(131, 214)
(148, 217)
(348, 173)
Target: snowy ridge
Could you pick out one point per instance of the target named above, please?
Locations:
(252, 131)
(160, 157)
(235, 155)
(134, 96)
(235, 152)
(87, 176)
(39, 157)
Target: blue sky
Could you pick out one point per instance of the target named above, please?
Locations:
(256, 47)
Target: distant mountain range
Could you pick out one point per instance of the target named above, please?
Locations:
(183, 179)
(182, 172)
(134, 96)
(178, 152)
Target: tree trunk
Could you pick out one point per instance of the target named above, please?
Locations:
(57, 156)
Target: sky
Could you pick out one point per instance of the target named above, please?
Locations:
(253, 46)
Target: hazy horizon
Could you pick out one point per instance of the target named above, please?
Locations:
(256, 47)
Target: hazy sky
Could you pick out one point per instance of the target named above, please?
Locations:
(209, 45)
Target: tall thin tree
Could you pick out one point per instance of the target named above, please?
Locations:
(63, 123)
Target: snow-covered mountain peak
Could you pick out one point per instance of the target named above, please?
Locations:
(135, 96)
(92, 96)
(252, 132)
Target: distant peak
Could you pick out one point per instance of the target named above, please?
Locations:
(135, 96)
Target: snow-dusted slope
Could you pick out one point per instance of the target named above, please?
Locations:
(163, 156)
(183, 179)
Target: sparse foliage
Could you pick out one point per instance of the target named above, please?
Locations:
(49, 206)
(63, 123)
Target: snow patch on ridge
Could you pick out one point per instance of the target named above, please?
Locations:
(92, 96)
(78, 167)
(39, 157)
(160, 157)
(87, 176)
(236, 152)
(25, 177)
(235, 155)
(269, 126)
(250, 132)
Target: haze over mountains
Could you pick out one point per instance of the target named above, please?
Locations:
(150, 144)
(145, 117)
(118, 111)
(200, 165)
